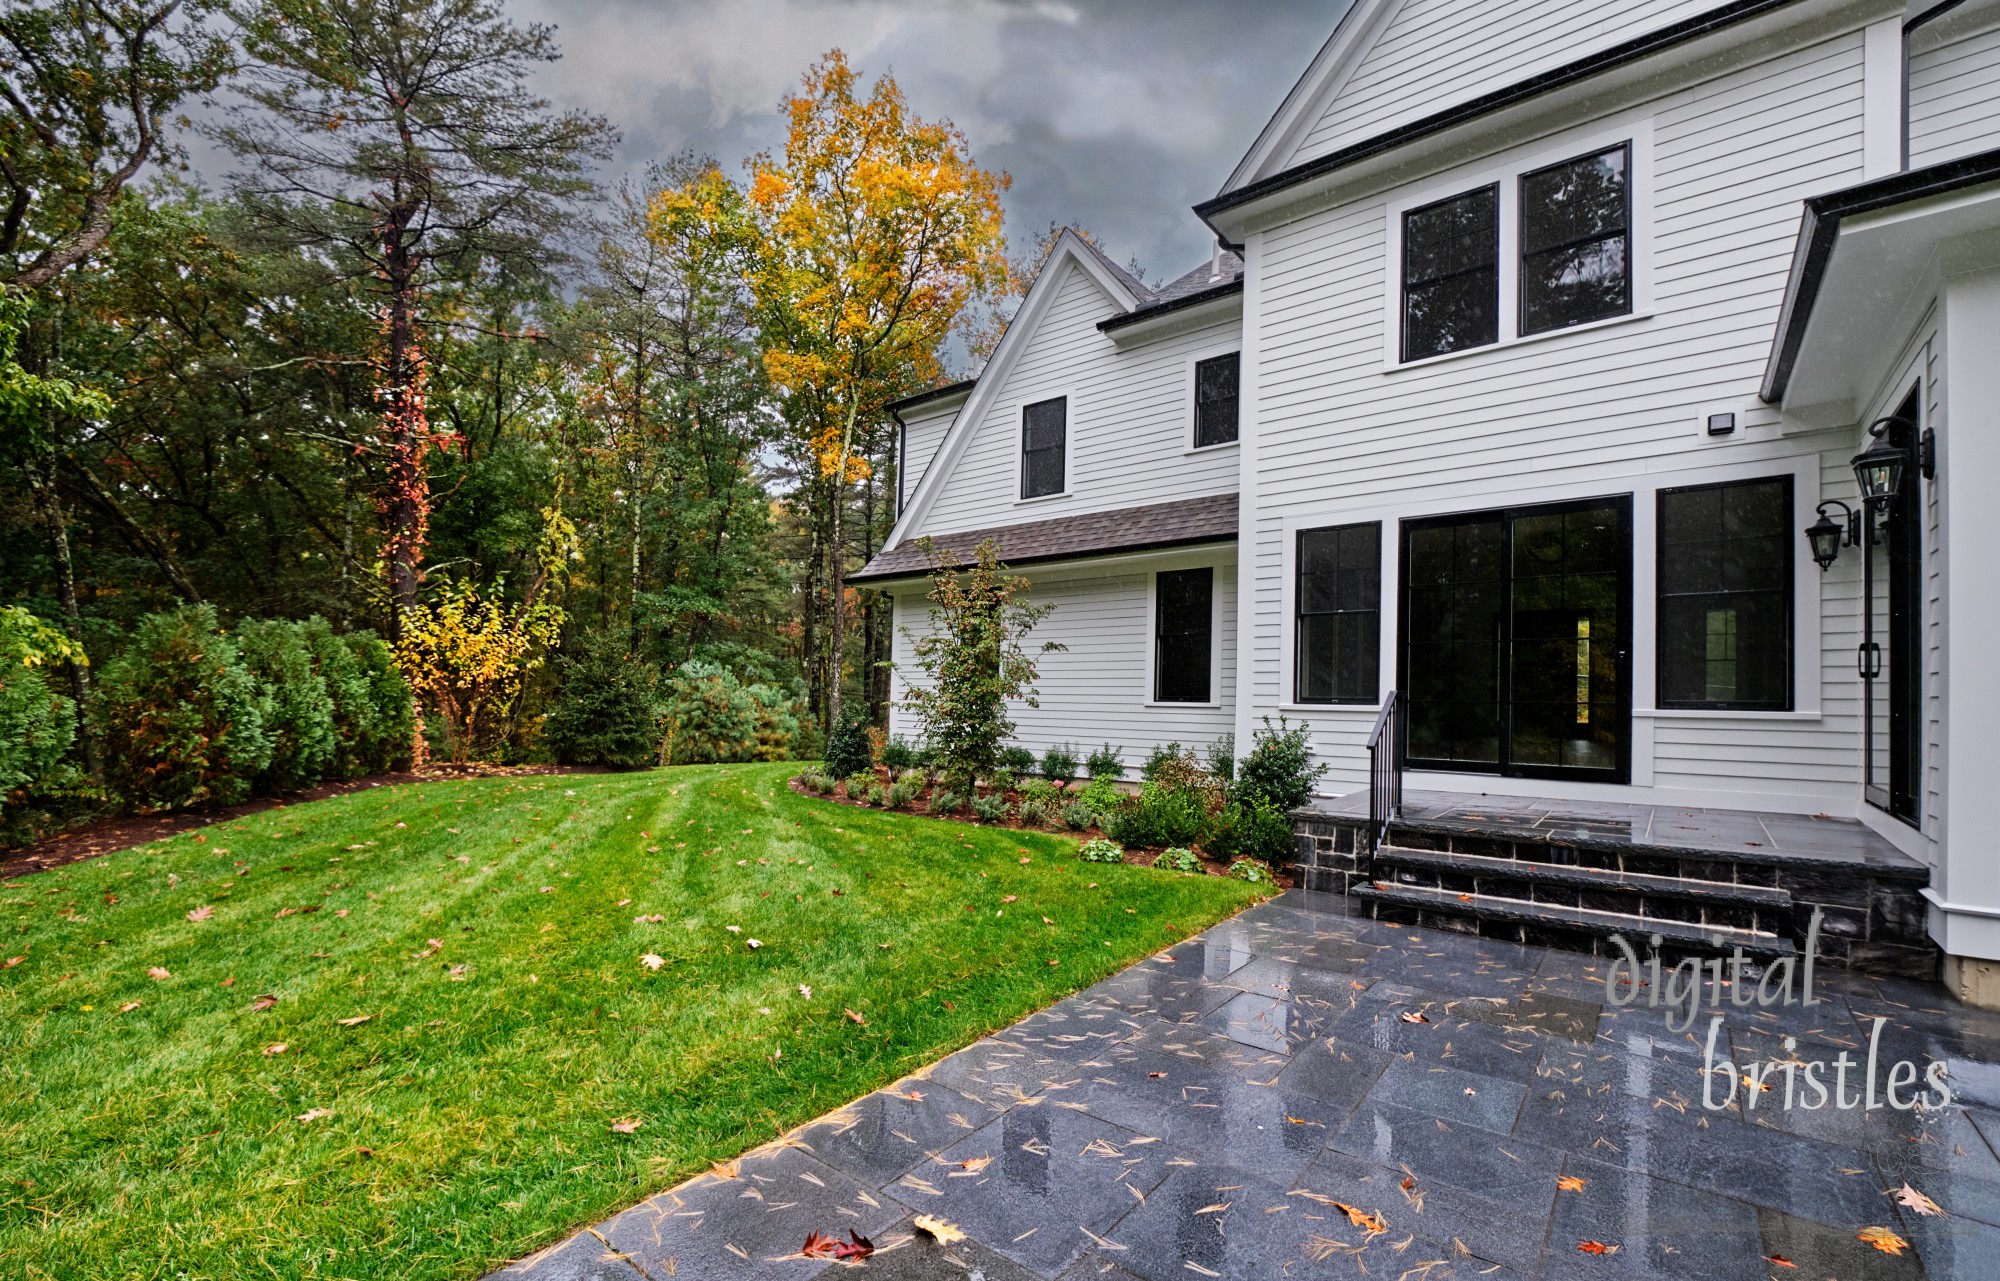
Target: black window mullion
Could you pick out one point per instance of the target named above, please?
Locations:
(1725, 600)
(1545, 305)
(1183, 635)
(1451, 274)
(1044, 445)
(1337, 615)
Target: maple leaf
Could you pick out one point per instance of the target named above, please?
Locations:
(355, 1021)
(263, 1002)
(1570, 1183)
(1883, 1239)
(820, 1246)
(1372, 1224)
(201, 913)
(158, 972)
(937, 1229)
(652, 960)
(315, 1114)
(625, 1127)
(805, 991)
(1911, 1199)
(1596, 1247)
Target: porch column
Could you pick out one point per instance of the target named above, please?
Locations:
(1965, 895)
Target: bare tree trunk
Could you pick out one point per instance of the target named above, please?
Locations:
(49, 505)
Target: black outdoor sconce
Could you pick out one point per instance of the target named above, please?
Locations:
(1879, 471)
(1828, 536)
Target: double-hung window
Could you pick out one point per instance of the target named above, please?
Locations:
(1451, 274)
(1045, 447)
(1183, 634)
(1215, 381)
(1576, 241)
(1725, 607)
(1339, 614)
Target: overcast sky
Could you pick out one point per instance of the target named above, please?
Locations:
(1117, 114)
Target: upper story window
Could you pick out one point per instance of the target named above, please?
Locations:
(1045, 447)
(1725, 606)
(1576, 261)
(1215, 381)
(1183, 635)
(1451, 274)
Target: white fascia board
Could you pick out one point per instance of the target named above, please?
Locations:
(1070, 251)
(1331, 67)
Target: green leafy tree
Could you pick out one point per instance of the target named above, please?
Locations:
(605, 712)
(973, 658)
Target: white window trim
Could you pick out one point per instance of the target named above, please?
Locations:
(1068, 398)
(1188, 390)
(1152, 646)
(1506, 169)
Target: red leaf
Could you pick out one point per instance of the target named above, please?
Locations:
(820, 1246)
(1596, 1247)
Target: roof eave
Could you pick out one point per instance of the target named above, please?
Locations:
(1217, 299)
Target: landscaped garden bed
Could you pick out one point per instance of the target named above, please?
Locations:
(418, 1031)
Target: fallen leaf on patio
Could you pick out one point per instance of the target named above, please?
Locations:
(1413, 1016)
(1217, 1208)
(972, 1165)
(315, 1114)
(652, 960)
(855, 1017)
(128, 1007)
(1372, 1224)
(1570, 1183)
(937, 1229)
(1299, 1120)
(1883, 1239)
(625, 1127)
(277, 1048)
(1596, 1247)
(1780, 1260)
(1911, 1199)
(820, 1246)
(264, 1002)
(356, 1021)
(158, 972)
(1154, 1076)
(201, 913)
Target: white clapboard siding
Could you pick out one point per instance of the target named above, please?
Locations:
(1131, 421)
(922, 434)
(1094, 691)
(1590, 411)
(1438, 53)
(1955, 87)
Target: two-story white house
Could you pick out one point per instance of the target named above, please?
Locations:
(1537, 339)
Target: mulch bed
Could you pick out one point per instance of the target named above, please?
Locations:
(108, 835)
(1139, 857)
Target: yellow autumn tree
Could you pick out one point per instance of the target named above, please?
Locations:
(875, 231)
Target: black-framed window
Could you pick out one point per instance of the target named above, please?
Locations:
(1339, 606)
(1183, 634)
(1215, 382)
(1576, 241)
(1725, 584)
(1451, 274)
(1044, 443)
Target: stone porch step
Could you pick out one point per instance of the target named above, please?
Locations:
(1474, 913)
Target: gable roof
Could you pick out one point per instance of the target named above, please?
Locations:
(1184, 522)
(1218, 278)
(1324, 75)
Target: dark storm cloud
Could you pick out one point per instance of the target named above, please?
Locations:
(1114, 115)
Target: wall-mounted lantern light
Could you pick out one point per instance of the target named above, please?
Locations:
(1828, 536)
(1879, 468)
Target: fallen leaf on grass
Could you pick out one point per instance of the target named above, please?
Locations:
(13, 961)
(431, 947)
(652, 960)
(1570, 1183)
(315, 1114)
(201, 913)
(621, 902)
(1911, 1199)
(937, 1229)
(805, 991)
(752, 944)
(820, 1246)
(128, 1007)
(264, 1002)
(1883, 1239)
(625, 1127)
(158, 972)
(356, 1021)
(1010, 898)
(277, 1048)
(456, 973)
(855, 1017)
(1595, 1247)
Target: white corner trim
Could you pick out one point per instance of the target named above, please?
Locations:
(1882, 98)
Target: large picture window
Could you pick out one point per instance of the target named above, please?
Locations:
(1183, 635)
(1725, 609)
(1215, 399)
(1339, 622)
(1576, 261)
(1451, 274)
(1044, 446)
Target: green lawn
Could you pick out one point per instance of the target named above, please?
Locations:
(467, 1120)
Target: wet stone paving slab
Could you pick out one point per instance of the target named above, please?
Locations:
(1301, 1092)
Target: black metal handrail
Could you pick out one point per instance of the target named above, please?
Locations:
(1385, 772)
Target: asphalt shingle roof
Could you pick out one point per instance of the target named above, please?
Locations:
(1180, 523)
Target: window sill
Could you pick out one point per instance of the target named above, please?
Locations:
(1042, 498)
(1719, 714)
(1209, 449)
(1194, 706)
(1392, 366)
(1358, 709)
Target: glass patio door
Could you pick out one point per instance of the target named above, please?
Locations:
(1891, 654)
(1516, 641)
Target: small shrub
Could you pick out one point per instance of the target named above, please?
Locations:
(1159, 816)
(180, 716)
(605, 713)
(709, 715)
(1034, 814)
(37, 724)
(915, 777)
(903, 794)
(858, 784)
(990, 809)
(847, 748)
(1279, 767)
(1102, 795)
(1059, 762)
(1249, 869)
(876, 796)
(816, 782)
(946, 802)
(1106, 762)
(381, 736)
(1077, 816)
(1160, 754)
(1099, 850)
(1178, 859)
(1015, 759)
(1257, 830)
(1040, 790)
(897, 753)
(1222, 758)
(1182, 771)
(1002, 780)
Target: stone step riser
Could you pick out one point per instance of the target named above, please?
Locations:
(1526, 922)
